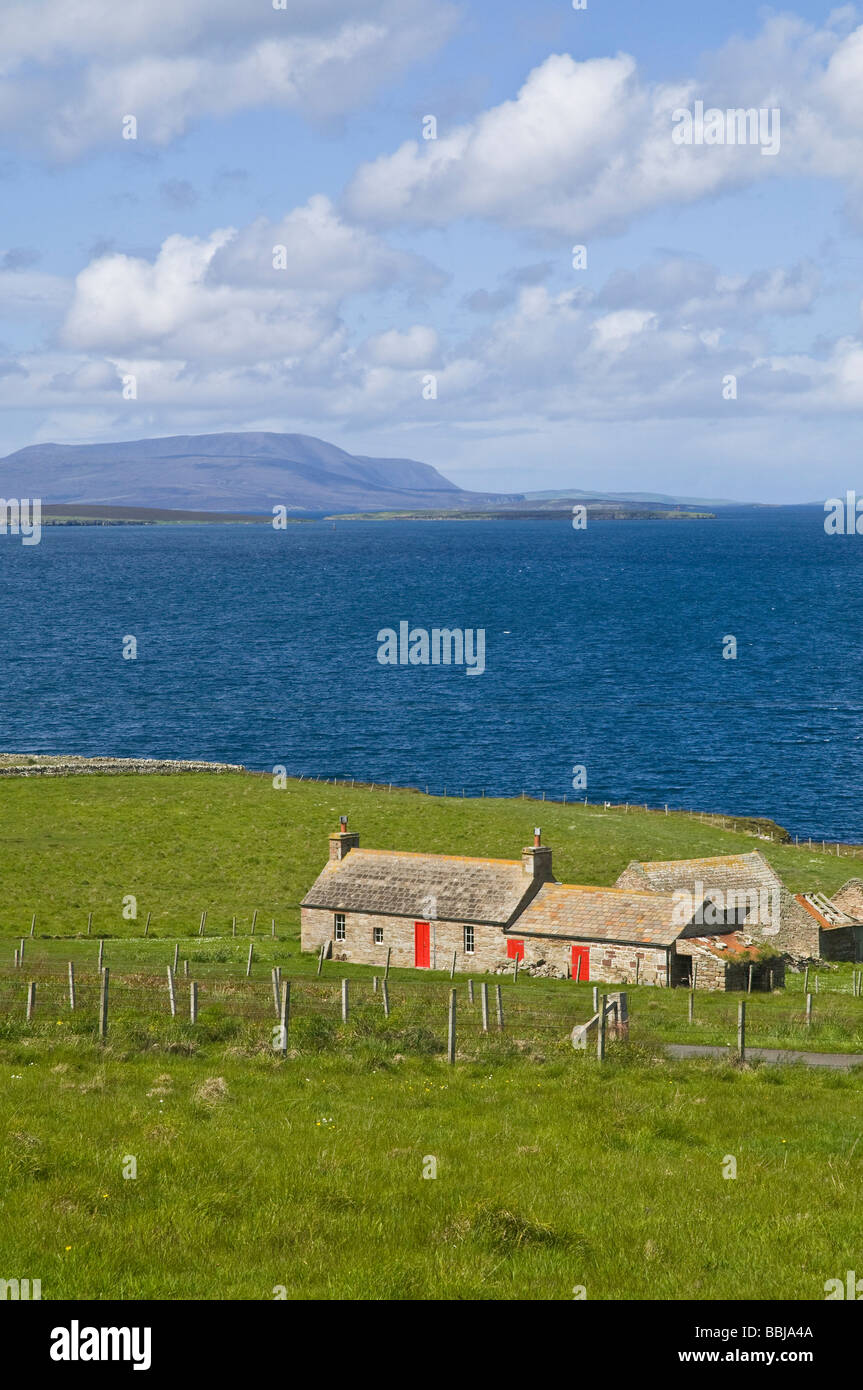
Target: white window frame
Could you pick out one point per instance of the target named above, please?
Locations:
(339, 926)
(378, 936)
(469, 935)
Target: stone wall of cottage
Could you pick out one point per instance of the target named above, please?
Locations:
(609, 962)
(359, 945)
(708, 969)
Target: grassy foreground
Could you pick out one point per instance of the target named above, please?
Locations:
(259, 1175)
(254, 1173)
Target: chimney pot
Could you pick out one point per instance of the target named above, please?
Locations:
(343, 820)
(537, 836)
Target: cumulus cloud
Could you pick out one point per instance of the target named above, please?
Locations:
(227, 296)
(586, 146)
(71, 72)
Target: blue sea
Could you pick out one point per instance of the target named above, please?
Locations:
(604, 650)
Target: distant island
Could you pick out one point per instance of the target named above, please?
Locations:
(595, 512)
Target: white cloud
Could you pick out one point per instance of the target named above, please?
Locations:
(71, 71)
(586, 146)
(417, 347)
(219, 298)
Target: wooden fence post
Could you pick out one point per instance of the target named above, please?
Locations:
(595, 998)
(33, 924)
(285, 1017)
(249, 961)
(484, 997)
(147, 925)
(103, 1005)
(321, 957)
(344, 999)
(695, 974)
(89, 923)
(452, 967)
(101, 950)
(71, 985)
(31, 1000)
(387, 969)
(749, 980)
(176, 955)
(272, 926)
(233, 926)
(385, 995)
(254, 920)
(193, 1002)
(186, 968)
(470, 991)
(806, 980)
(374, 984)
(515, 971)
(691, 1003)
(808, 1010)
(600, 1030)
(21, 952)
(172, 998)
(17, 960)
(741, 1030)
(499, 1007)
(276, 990)
(450, 1040)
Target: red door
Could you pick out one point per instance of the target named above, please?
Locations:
(422, 954)
(515, 949)
(581, 962)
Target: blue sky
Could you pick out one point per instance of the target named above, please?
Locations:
(449, 258)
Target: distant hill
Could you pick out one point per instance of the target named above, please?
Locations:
(228, 473)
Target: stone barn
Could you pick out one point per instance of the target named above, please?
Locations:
(740, 892)
(627, 936)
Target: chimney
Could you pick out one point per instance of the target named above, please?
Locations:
(342, 842)
(537, 859)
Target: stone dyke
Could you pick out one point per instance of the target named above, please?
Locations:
(24, 765)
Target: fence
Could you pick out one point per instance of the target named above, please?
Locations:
(429, 1015)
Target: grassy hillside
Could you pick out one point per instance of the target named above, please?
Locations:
(258, 1175)
(232, 843)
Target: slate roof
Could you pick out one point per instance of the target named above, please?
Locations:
(825, 912)
(600, 914)
(723, 871)
(445, 887)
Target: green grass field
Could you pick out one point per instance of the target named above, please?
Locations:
(231, 843)
(257, 1172)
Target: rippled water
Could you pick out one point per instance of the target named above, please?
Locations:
(603, 648)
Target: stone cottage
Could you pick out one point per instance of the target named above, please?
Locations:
(426, 908)
(421, 907)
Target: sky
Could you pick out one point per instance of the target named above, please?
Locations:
(427, 301)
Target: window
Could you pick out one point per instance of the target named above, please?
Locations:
(379, 935)
(468, 941)
(339, 926)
